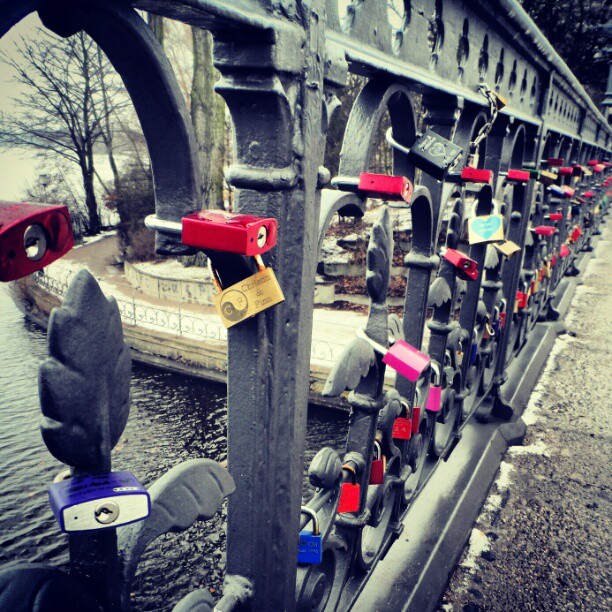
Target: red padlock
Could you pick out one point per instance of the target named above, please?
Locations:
(383, 186)
(553, 260)
(416, 418)
(555, 161)
(599, 168)
(576, 233)
(476, 175)
(378, 467)
(217, 230)
(555, 216)
(566, 171)
(502, 320)
(593, 162)
(521, 300)
(588, 194)
(390, 187)
(467, 268)
(541, 274)
(349, 493)
(402, 429)
(545, 230)
(564, 251)
(31, 237)
(518, 176)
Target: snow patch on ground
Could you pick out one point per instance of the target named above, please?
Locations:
(537, 448)
(479, 543)
(503, 479)
(97, 237)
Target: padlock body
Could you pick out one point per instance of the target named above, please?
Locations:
(566, 171)
(555, 161)
(349, 497)
(476, 175)
(217, 230)
(434, 399)
(467, 268)
(79, 503)
(385, 186)
(568, 191)
(545, 230)
(547, 177)
(576, 233)
(486, 228)
(517, 176)
(15, 219)
(416, 419)
(248, 297)
(310, 548)
(406, 360)
(434, 155)
(402, 429)
(555, 216)
(564, 251)
(377, 472)
(557, 191)
(521, 300)
(588, 194)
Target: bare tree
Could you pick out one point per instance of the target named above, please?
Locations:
(208, 117)
(69, 96)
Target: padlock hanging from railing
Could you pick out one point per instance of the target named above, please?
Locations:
(401, 356)
(31, 237)
(430, 152)
(380, 186)
(223, 234)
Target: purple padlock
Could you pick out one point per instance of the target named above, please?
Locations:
(401, 356)
(103, 501)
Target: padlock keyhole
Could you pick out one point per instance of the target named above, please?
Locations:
(35, 242)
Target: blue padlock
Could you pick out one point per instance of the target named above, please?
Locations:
(310, 549)
(473, 354)
(101, 501)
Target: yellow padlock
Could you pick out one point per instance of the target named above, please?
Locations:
(247, 297)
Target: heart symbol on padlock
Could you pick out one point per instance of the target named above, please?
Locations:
(486, 228)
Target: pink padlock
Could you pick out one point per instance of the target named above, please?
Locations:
(564, 252)
(401, 356)
(555, 216)
(434, 399)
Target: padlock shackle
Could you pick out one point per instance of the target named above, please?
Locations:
(396, 145)
(436, 377)
(378, 449)
(313, 516)
(162, 225)
(379, 348)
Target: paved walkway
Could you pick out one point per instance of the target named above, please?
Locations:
(543, 541)
(332, 329)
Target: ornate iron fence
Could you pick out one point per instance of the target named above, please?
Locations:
(282, 65)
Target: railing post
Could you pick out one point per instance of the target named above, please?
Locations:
(277, 114)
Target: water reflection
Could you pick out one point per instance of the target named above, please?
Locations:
(173, 418)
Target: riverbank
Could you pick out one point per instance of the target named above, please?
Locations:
(176, 335)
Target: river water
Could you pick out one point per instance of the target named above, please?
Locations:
(173, 418)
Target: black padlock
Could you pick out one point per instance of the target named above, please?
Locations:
(431, 153)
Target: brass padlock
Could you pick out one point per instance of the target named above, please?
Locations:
(247, 297)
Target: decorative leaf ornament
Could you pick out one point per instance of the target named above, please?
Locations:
(85, 382)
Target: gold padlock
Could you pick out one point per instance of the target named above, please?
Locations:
(547, 269)
(247, 297)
